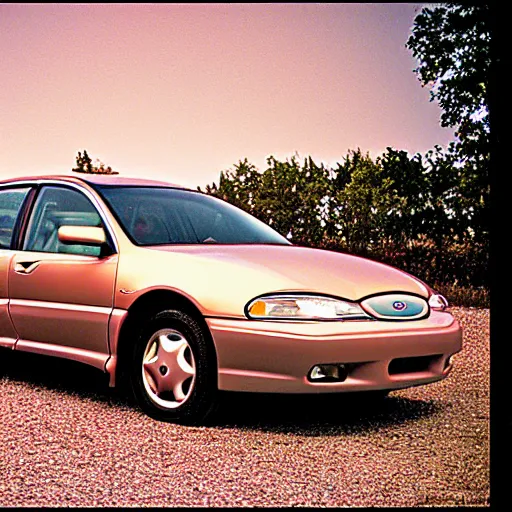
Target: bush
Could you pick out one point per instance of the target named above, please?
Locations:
(465, 296)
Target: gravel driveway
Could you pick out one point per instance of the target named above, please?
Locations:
(69, 440)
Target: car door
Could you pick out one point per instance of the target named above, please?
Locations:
(11, 202)
(61, 296)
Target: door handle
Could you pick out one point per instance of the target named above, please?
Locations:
(25, 267)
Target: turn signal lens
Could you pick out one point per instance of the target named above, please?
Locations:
(257, 308)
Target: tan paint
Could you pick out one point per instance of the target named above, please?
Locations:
(89, 357)
(221, 280)
(42, 301)
(81, 235)
(276, 357)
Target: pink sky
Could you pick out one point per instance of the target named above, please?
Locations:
(181, 92)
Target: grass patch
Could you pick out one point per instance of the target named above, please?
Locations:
(464, 296)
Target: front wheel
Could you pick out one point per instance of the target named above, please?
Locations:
(173, 369)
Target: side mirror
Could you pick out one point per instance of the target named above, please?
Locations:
(84, 235)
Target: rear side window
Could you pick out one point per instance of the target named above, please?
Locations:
(11, 201)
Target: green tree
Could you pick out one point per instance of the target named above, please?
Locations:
(442, 216)
(239, 187)
(452, 44)
(288, 196)
(377, 205)
(356, 195)
(84, 165)
(296, 195)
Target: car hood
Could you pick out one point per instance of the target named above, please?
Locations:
(221, 279)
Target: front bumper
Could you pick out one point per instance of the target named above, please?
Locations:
(275, 357)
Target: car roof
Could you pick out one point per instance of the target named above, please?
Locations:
(96, 179)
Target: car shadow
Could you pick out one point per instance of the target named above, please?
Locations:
(305, 415)
(58, 374)
(320, 415)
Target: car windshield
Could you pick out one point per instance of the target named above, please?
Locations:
(160, 215)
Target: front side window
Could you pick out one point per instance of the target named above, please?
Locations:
(11, 201)
(159, 215)
(56, 207)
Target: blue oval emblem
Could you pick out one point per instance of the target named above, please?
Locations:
(399, 305)
(396, 306)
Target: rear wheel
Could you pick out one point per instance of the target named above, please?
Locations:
(173, 370)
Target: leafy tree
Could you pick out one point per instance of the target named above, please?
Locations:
(352, 207)
(406, 186)
(239, 187)
(441, 213)
(377, 204)
(84, 165)
(452, 44)
(356, 197)
(292, 198)
(287, 196)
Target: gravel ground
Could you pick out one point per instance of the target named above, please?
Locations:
(69, 440)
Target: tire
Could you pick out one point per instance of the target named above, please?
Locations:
(173, 371)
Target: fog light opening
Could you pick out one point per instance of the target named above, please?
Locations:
(448, 362)
(328, 373)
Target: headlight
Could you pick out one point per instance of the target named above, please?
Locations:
(303, 307)
(437, 302)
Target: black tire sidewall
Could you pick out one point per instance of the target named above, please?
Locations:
(202, 400)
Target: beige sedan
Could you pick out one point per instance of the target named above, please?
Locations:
(180, 295)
